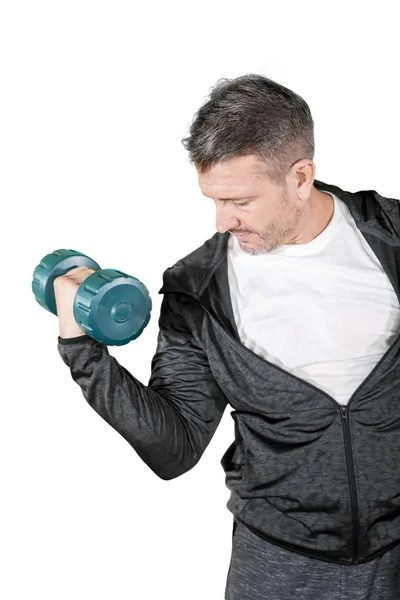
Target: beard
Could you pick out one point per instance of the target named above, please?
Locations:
(278, 232)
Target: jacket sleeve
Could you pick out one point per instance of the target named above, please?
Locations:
(169, 422)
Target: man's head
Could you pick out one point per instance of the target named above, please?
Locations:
(253, 141)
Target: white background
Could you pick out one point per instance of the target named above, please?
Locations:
(95, 98)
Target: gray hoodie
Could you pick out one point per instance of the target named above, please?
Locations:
(334, 490)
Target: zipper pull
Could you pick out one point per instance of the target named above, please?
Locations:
(343, 408)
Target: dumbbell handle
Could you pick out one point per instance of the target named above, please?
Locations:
(65, 289)
(52, 266)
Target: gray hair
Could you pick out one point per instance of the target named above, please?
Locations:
(252, 115)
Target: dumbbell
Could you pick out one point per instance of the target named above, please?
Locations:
(109, 306)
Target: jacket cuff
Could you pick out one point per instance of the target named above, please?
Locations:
(74, 340)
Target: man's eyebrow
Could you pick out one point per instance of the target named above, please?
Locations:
(231, 199)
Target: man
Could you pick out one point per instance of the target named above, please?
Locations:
(296, 326)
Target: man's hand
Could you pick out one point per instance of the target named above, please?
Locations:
(65, 288)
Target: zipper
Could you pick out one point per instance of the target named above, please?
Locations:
(344, 413)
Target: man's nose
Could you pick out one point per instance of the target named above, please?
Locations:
(225, 221)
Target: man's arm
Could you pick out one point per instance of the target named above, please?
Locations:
(169, 422)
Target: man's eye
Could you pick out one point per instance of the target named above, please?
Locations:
(242, 203)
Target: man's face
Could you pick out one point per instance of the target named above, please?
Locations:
(248, 202)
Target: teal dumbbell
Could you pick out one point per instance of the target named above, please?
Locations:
(109, 306)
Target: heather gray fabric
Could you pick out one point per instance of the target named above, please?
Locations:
(262, 571)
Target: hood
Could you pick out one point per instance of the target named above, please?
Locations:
(373, 214)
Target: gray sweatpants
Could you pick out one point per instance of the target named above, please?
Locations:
(260, 570)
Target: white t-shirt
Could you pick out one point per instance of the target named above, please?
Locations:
(324, 311)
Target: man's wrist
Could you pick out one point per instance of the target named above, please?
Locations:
(71, 332)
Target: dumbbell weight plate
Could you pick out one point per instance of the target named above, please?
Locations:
(112, 307)
(54, 265)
